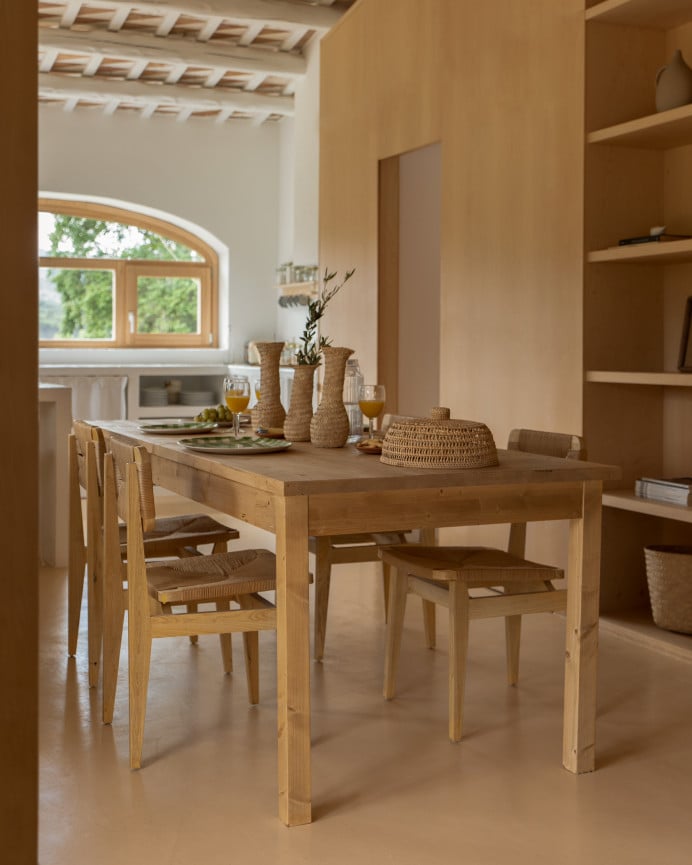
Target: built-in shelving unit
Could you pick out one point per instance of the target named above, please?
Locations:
(659, 379)
(637, 408)
(295, 289)
(660, 252)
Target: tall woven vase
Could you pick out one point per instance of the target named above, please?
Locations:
(299, 415)
(329, 426)
(270, 412)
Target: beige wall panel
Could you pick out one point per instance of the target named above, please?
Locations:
(501, 86)
(378, 99)
(512, 217)
(19, 442)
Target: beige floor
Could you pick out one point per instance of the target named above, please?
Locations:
(388, 787)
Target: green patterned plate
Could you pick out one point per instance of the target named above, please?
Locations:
(177, 426)
(231, 445)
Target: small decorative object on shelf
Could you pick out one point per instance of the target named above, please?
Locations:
(675, 491)
(673, 84)
(329, 426)
(658, 234)
(685, 353)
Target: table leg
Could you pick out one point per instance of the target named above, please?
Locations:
(293, 660)
(583, 579)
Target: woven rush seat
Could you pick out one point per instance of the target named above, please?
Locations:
(212, 578)
(182, 531)
(439, 442)
(476, 566)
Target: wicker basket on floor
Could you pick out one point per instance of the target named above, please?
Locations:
(669, 575)
(439, 442)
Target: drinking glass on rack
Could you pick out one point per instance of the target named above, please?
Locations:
(236, 392)
(371, 399)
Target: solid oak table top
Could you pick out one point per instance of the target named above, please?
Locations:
(304, 469)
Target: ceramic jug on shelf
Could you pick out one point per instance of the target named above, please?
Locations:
(674, 84)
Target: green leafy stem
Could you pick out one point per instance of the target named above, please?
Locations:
(310, 345)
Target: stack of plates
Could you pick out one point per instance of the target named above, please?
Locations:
(197, 397)
(153, 396)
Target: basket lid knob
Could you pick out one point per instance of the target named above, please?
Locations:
(440, 412)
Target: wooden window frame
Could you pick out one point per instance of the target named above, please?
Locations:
(126, 271)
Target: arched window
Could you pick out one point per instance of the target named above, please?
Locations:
(112, 278)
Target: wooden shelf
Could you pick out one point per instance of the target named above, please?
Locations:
(296, 289)
(625, 500)
(637, 626)
(658, 14)
(660, 379)
(665, 252)
(662, 131)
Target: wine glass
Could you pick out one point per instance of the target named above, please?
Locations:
(236, 392)
(371, 399)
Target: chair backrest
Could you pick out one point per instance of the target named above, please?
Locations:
(548, 444)
(124, 453)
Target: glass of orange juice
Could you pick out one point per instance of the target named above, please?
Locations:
(371, 399)
(236, 392)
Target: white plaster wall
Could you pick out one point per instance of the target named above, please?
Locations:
(299, 161)
(224, 179)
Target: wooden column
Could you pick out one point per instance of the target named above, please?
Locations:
(19, 441)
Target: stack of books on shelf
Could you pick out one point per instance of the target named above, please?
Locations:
(676, 491)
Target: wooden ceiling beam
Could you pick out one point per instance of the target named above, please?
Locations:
(72, 88)
(280, 13)
(176, 51)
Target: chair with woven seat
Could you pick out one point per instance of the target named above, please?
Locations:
(355, 549)
(444, 576)
(180, 535)
(154, 589)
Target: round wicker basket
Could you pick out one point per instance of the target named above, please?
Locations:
(669, 575)
(439, 442)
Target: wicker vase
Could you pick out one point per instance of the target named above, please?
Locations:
(299, 415)
(270, 412)
(329, 426)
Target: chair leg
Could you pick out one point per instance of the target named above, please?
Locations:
(75, 588)
(428, 537)
(113, 619)
(95, 620)
(386, 577)
(513, 643)
(429, 623)
(458, 645)
(398, 588)
(192, 608)
(139, 663)
(323, 570)
(225, 641)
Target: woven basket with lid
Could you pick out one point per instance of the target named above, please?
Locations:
(439, 442)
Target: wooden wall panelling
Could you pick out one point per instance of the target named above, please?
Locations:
(19, 441)
(501, 87)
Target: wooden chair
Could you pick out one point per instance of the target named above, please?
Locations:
(444, 576)
(156, 588)
(170, 536)
(354, 549)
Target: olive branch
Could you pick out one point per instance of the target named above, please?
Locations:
(310, 346)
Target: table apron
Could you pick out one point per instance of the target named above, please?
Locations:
(238, 500)
(346, 513)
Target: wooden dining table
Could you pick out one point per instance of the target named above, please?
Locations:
(307, 491)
